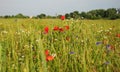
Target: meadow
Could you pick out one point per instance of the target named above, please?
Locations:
(54, 45)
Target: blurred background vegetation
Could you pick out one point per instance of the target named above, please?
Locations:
(110, 13)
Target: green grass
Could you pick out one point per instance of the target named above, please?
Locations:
(23, 42)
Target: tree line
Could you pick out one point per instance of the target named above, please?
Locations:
(110, 13)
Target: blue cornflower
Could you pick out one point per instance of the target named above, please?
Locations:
(97, 43)
(106, 63)
(72, 52)
(108, 47)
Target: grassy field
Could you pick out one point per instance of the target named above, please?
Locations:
(74, 45)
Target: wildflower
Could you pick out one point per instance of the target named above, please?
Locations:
(49, 58)
(4, 32)
(77, 37)
(46, 29)
(54, 55)
(55, 39)
(56, 28)
(71, 52)
(66, 27)
(22, 56)
(61, 29)
(97, 43)
(100, 31)
(118, 35)
(17, 33)
(110, 47)
(110, 28)
(62, 17)
(107, 30)
(37, 40)
(105, 37)
(82, 41)
(106, 63)
(22, 31)
(46, 52)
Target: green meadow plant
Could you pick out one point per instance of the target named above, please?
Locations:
(53, 45)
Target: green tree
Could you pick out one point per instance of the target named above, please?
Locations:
(41, 16)
(76, 14)
(83, 15)
(6, 16)
(118, 13)
(101, 13)
(96, 14)
(67, 16)
(111, 13)
(71, 15)
(19, 16)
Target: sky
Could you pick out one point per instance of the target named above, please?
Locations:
(53, 7)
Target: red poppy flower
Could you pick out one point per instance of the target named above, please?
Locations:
(46, 29)
(56, 28)
(66, 27)
(118, 35)
(62, 17)
(61, 29)
(46, 52)
(49, 58)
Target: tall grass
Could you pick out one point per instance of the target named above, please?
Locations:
(23, 43)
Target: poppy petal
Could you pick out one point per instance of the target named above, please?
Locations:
(46, 52)
(49, 58)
